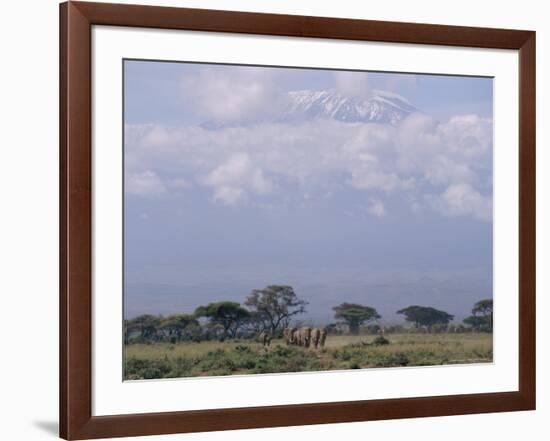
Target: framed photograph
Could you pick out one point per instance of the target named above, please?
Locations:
(273, 220)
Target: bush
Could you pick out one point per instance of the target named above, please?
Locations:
(287, 359)
(356, 354)
(243, 349)
(135, 368)
(380, 341)
(217, 363)
(390, 360)
(244, 357)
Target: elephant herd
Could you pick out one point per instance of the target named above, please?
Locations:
(305, 337)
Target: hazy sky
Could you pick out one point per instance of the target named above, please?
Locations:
(379, 214)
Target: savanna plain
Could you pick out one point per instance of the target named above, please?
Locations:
(237, 357)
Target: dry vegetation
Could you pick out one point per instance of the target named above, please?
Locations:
(234, 357)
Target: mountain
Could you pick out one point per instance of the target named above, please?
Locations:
(381, 107)
(301, 105)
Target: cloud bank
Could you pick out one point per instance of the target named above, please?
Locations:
(445, 168)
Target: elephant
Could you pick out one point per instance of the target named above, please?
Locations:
(265, 338)
(322, 338)
(289, 335)
(315, 337)
(304, 336)
(294, 340)
(286, 335)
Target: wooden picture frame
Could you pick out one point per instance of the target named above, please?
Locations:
(76, 21)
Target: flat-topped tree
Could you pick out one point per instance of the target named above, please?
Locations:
(484, 308)
(482, 316)
(146, 325)
(275, 305)
(354, 315)
(425, 316)
(177, 323)
(229, 315)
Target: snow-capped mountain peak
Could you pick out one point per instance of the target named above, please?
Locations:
(381, 107)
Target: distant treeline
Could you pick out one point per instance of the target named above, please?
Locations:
(272, 309)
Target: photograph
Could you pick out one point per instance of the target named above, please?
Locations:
(252, 221)
(284, 219)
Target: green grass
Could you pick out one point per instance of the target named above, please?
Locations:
(212, 358)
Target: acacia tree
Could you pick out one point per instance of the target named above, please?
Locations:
(147, 325)
(274, 306)
(475, 322)
(176, 324)
(425, 316)
(482, 315)
(229, 315)
(484, 308)
(255, 324)
(354, 315)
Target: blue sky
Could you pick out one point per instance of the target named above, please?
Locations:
(150, 88)
(380, 214)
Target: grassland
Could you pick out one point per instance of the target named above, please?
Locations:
(213, 358)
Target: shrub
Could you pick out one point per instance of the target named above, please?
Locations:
(243, 349)
(217, 363)
(354, 353)
(136, 368)
(244, 357)
(287, 359)
(380, 341)
(390, 360)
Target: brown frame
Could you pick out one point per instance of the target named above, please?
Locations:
(76, 20)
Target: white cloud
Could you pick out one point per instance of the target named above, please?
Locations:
(231, 172)
(234, 178)
(229, 195)
(377, 208)
(442, 169)
(457, 151)
(472, 135)
(415, 160)
(240, 94)
(368, 178)
(355, 84)
(145, 183)
(463, 200)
